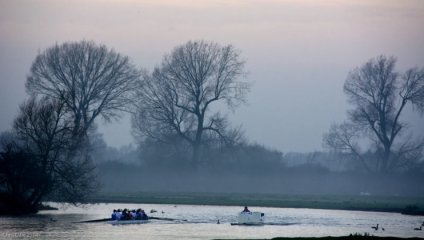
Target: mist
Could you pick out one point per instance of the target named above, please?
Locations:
(253, 169)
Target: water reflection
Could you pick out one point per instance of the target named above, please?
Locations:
(202, 223)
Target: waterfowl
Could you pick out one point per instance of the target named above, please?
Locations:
(52, 220)
(376, 228)
(419, 229)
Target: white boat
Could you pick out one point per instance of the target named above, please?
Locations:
(250, 218)
(121, 222)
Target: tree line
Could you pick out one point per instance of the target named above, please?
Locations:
(254, 169)
(49, 150)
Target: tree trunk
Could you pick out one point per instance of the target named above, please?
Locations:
(195, 156)
(197, 142)
(385, 160)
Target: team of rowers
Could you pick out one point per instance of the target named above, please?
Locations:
(126, 214)
(139, 214)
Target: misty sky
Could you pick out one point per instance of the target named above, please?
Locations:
(298, 52)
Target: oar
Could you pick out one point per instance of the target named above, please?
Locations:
(96, 220)
(167, 219)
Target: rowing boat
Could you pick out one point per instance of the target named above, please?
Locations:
(121, 222)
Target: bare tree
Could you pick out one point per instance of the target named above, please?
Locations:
(60, 162)
(177, 96)
(379, 95)
(98, 81)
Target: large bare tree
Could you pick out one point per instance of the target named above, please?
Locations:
(45, 147)
(379, 95)
(177, 97)
(98, 81)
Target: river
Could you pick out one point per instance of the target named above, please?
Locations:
(202, 223)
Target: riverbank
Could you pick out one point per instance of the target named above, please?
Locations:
(5, 210)
(336, 238)
(397, 204)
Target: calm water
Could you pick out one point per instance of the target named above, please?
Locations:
(202, 223)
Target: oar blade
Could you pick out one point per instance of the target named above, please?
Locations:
(95, 220)
(167, 219)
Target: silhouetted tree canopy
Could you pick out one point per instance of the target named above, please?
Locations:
(379, 95)
(18, 175)
(44, 158)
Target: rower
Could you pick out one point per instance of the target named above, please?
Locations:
(144, 215)
(114, 214)
(138, 214)
(133, 213)
(118, 214)
(125, 215)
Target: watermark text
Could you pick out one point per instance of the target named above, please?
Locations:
(20, 234)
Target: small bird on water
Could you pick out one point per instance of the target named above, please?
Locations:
(52, 220)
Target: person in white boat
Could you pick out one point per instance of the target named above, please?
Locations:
(114, 214)
(245, 209)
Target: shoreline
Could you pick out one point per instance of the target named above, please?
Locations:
(326, 202)
(332, 238)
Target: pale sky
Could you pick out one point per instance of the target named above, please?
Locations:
(298, 52)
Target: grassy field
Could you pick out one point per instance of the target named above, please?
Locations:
(340, 202)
